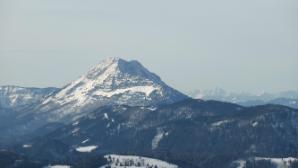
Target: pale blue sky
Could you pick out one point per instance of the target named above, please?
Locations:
(237, 45)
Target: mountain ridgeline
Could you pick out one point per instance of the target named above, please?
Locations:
(286, 98)
(119, 111)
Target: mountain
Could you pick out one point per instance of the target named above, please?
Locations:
(293, 103)
(112, 81)
(15, 97)
(287, 98)
(15, 102)
(190, 134)
(121, 110)
(286, 102)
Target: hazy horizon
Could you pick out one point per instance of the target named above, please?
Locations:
(246, 46)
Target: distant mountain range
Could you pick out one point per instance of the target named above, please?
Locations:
(119, 114)
(286, 98)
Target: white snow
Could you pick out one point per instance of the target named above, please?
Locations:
(105, 115)
(27, 146)
(254, 124)
(86, 149)
(74, 131)
(279, 162)
(75, 123)
(57, 166)
(19, 97)
(130, 161)
(147, 90)
(152, 108)
(240, 163)
(86, 140)
(219, 123)
(157, 138)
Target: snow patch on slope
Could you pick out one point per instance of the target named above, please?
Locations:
(254, 124)
(76, 123)
(219, 123)
(86, 140)
(105, 116)
(157, 138)
(76, 130)
(27, 146)
(240, 163)
(147, 90)
(86, 149)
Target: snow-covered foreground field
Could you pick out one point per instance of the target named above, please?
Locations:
(276, 162)
(279, 162)
(58, 166)
(129, 161)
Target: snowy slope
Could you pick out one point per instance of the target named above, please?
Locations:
(112, 81)
(14, 97)
(129, 161)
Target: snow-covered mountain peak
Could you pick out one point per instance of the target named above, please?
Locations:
(112, 81)
(113, 75)
(109, 63)
(113, 68)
